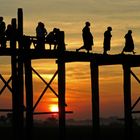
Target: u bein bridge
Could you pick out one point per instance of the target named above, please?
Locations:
(21, 67)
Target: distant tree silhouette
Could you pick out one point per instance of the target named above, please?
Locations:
(87, 38)
(51, 121)
(107, 40)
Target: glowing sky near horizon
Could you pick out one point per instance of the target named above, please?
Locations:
(70, 17)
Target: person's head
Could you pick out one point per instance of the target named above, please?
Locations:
(87, 23)
(109, 28)
(1, 19)
(41, 24)
(129, 31)
(56, 30)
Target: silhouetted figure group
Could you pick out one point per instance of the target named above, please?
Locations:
(129, 43)
(88, 41)
(8, 33)
(51, 38)
(54, 37)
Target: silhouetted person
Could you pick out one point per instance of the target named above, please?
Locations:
(2, 33)
(107, 40)
(52, 38)
(41, 32)
(129, 43)
(87, 38)
(9, 32)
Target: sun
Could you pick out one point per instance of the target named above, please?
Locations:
(53, 108)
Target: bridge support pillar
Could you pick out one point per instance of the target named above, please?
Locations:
(95, 100)
(127, 103)
(61, 98)
(29, 98)
(17, 90)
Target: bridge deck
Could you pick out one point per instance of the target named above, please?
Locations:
(72, 56)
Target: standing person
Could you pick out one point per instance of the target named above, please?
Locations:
(129, 43)
(41, 32)
(11, 34)
(2, 33)
(107, 40)
(87, 38)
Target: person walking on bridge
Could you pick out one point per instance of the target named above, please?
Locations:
(87, 38)
(129, 43)
(107, 40)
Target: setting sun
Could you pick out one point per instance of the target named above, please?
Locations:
(53, 108)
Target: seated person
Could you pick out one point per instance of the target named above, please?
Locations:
(52, 38)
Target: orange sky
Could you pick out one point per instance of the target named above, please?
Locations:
(70, 17)
(78, 88)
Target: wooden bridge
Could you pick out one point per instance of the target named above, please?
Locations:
(21, 60)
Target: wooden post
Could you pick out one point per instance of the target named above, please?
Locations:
(127, 103)
(20, 23)
(95, 100)
(17, 99)
(29, 91)
(61, 41)
(61, 99)
(14, 83)
(18, 114)
(20, 55)
(14, 34)
(20, 60)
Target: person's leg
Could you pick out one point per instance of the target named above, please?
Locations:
(105, 51)
(133, 52)
(80, 48)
